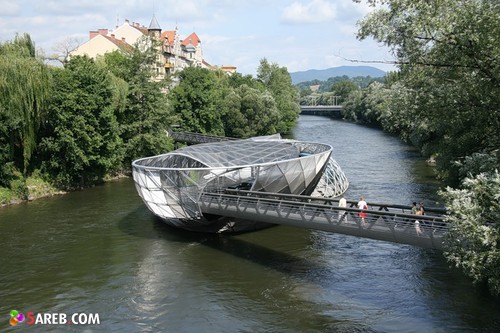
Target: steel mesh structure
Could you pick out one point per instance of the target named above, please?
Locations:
(171, 184)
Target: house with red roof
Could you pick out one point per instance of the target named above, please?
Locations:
(174, 53)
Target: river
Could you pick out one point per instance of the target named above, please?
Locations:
(101, 252)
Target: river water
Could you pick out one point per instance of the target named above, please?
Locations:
(100, 251)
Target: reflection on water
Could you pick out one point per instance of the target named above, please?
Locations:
(101, 251)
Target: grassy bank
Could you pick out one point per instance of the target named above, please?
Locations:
(27, 189)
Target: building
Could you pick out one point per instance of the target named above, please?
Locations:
(174, 53)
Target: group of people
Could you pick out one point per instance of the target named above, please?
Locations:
(361, 205)
(418, 210)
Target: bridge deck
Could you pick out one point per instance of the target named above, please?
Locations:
(388, 223)
(335, 111)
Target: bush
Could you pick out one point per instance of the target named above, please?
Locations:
(473, 241)
(477, 163)
(19, 188)
(38, 187)
(5, 196)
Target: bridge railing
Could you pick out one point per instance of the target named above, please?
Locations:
(432, 211)
(389, 225)
(191, 137)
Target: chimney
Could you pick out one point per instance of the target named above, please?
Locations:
(123, 39)
(127, 21)
(103, 32)
(113, 36)
(92, 34)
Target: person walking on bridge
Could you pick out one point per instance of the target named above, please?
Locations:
(364, 206)
(414, 208)
(421, 210)
(342, 203)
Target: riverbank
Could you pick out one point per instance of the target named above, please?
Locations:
(27, 190)
(34, 188)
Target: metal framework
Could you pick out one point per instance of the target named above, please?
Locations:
(172, 184)
(381, 222)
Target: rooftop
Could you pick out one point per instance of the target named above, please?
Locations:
(238, 152)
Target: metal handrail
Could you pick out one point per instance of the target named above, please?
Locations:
(425, 231)
(331, 201)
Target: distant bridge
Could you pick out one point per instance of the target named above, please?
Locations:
(333, 111)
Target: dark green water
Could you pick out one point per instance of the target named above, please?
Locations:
(101, 251)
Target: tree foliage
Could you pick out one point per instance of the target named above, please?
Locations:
(369, 106)
(342, 89)
(24, 82)
(142, 111)
(80, 142)
(250, 112)
(473, 241)
(197, 103)
(279, 82)
(236, 106)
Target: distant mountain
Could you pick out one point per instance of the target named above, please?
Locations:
(325, 74)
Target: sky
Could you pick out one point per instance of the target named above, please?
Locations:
(298, 34)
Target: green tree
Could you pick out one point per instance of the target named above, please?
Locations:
(80, 142)
(236, 80)
(196, 100)
(447, 94)
(473, 241)
(278, 81)
(6, 162)
(24, 82)
(343, 89)
(143, 115)
(353, 106)
(369, 106)
(250, 112)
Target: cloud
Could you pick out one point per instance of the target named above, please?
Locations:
(9, 8)
(233, 32)
(316, 11)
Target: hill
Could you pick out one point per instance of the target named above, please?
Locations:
(325, 74)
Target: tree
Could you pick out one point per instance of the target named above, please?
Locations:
(343, 89)
(353, 106)
(80, 142)
(63, 48)
(24, 82)
(144, 116)
(6, 163)
(197, 102)
(279, 83)
(250, 112)
(369, 106)
(473, 241)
